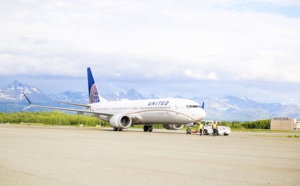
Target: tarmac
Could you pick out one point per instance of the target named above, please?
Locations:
(53, 155)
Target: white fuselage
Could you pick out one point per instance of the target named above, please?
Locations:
(152, 111)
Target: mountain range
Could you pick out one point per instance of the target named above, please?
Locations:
(228, 108)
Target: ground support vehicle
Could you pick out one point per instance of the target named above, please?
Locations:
(221, 130)
(207, 129)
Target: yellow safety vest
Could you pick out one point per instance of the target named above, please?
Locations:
(200, 126)
(214, 126)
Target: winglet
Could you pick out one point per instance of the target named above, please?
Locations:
(28, 102)
(27, 98)
(202, 105)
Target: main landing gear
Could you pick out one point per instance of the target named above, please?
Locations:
(148, 128)
(118, 129)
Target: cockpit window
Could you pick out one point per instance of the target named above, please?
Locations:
(193, 106)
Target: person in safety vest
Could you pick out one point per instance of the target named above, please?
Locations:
(200, 128)
(215, 128)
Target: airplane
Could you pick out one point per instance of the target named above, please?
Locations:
(173, 113)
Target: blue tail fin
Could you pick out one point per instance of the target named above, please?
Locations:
(202, 105)
(93, 91)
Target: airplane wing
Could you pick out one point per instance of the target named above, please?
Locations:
(136, 118)
(75, 104)
(79, 111)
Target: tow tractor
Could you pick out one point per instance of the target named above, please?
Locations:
(207, 129)
(222, 130)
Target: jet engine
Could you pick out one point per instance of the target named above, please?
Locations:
(120, 121)
(173, 126)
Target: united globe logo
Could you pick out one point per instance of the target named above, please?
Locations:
(94, 96)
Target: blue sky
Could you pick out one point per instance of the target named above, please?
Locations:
(189, 48)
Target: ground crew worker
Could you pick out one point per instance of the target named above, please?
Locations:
(215, 129)
(200, 128)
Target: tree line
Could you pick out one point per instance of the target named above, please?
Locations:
(60, 118)
(259, 124)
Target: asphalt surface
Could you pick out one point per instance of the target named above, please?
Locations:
(31, 155)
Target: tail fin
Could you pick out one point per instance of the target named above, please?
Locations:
(93, 91)
(202, 105)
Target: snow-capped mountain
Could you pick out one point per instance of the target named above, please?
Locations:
(227, 108)
(80, 97)
(14, 93)
(69, 96)
(152, 96)
(130, 95)
(231, 107)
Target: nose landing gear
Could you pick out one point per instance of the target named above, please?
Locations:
(188, 130)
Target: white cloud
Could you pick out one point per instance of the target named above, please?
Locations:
(151, 40)
(200, 76)
(117, 75)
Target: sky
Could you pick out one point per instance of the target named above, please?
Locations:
(190, 48)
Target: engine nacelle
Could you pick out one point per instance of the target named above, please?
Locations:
(172, 126)
(120, 121)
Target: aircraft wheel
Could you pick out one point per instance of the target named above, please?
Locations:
(188, 131)
(146, 128)
(150, 128)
